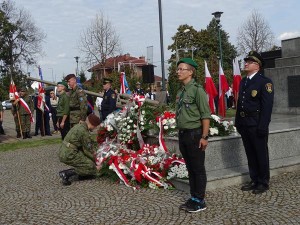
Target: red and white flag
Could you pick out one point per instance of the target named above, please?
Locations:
(223, 88)
(41, 104)
(13, 94)
(236, 79)
(210, 89)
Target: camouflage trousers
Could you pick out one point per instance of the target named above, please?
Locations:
(25, 122)
(83, 165)
(17, 123)
(74, 118)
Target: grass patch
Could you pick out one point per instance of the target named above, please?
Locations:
(28, 144)
(230, 113)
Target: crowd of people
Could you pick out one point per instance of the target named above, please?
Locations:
(70, 116)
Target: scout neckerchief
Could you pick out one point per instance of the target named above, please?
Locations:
(180, 102)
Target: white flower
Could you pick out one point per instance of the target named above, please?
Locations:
(173, 127)
(216, 118)
(143, 112)
(130, 121)
(213, 131)
(172, 120)
(166, 127)
(164, 121)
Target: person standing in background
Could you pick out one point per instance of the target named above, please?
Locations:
(63, 109)
(78, 101)
(109, 102)
(54, 102)
(1, 120)
(98, 104)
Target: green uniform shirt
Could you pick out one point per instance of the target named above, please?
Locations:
(63, 106)
(194, 106)
(80, 137)
(78, 105)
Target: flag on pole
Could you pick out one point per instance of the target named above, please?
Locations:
(41, 75)
(124, 84)
(223, 88)
(210, 89)
(41, 104)
(13, 94)
(236, 79)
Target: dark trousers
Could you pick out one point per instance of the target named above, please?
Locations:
(65, 129)
(194, 159)
(54, 118)
(257, 152)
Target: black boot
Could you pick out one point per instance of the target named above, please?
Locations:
(24, 135)
(65, 175)
(28, 135)
(18, 134)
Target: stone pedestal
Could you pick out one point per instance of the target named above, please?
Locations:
(285, 77)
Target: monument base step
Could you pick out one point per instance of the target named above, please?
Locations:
(239, 175)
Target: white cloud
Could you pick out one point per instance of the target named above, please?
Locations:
(289, 35)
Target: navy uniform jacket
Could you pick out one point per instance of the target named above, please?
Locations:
(255, 103)
(109, 103)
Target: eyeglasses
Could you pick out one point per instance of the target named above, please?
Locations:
(181, 69)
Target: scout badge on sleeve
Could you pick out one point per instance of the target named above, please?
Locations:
(269, 87)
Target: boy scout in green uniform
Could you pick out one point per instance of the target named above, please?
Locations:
(78, 150)
(63, 109)
(78, 101)
(193, 118)
(24, 115)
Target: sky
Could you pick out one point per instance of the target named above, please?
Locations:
(137, 24)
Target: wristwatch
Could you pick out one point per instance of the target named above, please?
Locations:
(205, 137)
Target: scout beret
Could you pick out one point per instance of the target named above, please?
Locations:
(188, 61)
(68, 77)
(94, 120)
(106, 80)
(255, 57)
(63, 82)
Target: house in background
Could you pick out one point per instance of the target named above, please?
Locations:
(114, 63)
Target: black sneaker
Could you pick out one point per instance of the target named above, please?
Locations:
(196, 206)
(186, 205)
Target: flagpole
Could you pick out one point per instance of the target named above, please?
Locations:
(19, 120)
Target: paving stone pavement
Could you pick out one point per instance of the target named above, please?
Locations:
(31, 193)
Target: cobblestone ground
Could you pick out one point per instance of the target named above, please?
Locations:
(31, 193)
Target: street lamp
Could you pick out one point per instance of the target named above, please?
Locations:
(178, 49)
(161, 46)
(76, 58)
(217, 16)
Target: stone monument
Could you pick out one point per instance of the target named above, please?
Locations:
(286, 78)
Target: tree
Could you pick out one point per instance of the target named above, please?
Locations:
(202, 45)
(255, 35)
(20, 42)
(99, 41)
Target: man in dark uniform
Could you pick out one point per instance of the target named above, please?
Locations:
(139, 90)
(193, 118)
(78, 101)
(253, 115)
(109, 102)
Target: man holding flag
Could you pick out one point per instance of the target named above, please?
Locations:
(24, 109)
